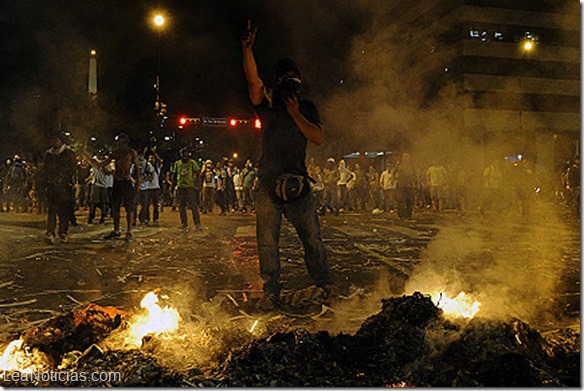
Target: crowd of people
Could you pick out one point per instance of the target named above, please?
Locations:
(403, 186)
(224, 187)
(87, 182)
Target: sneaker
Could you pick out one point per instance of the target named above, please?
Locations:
(50, 238)
(113, 235)
(268, 302)
(128, 236)
(63, 238)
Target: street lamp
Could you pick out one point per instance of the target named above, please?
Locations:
(159, 22)
(527, 47)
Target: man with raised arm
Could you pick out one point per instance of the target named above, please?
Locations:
(288, 124)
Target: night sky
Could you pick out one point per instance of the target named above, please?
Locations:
(46, 45)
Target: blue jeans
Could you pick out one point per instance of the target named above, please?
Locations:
(302, 214)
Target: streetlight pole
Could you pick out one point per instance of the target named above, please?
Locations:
(159, 22)
(527, 46)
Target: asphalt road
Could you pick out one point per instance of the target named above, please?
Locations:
(520, 267)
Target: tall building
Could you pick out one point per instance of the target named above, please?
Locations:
(514, 66)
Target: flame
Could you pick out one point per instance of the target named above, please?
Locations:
(157, 320)
(461, 306)
(17, 358)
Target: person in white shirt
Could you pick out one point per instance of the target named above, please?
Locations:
(99, 195)
(436, 178)
(146, 174)
(388, 187)
(153, 188)
(492, 188)
(238, 185)
(209, 181)
(346, 176)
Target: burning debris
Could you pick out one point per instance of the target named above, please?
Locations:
(460, 306)
(157, 320)
(18, 358)
(410, 342)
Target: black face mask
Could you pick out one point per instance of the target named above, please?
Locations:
(290, 86)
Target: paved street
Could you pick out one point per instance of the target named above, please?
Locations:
(527, 268)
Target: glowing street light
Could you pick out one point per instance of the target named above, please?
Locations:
(158, 23)
(159, 20)
(528, 45)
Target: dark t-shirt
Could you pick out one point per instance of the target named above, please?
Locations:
(59, 169)
(283, 144)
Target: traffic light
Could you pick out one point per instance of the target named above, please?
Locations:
(182, 120)
(257, 123)
(233, 122)
(160, 108)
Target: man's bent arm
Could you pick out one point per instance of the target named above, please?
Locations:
(313, 132)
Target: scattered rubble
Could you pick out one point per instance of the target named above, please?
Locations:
(74, 331)
(408, 343)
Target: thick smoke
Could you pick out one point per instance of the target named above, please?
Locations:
(511, 264)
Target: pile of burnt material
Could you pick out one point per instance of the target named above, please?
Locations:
(69, 343)
(73, 331)
(408, 343)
